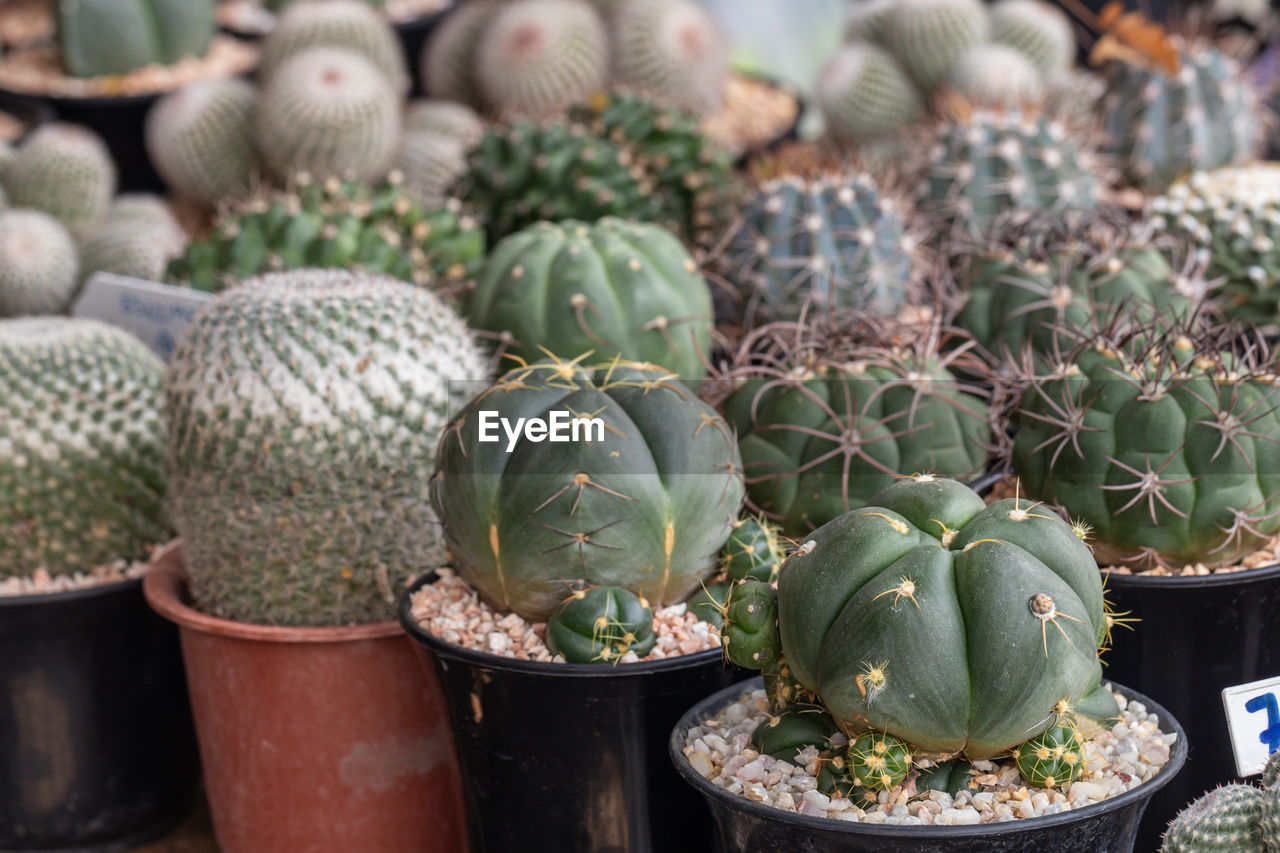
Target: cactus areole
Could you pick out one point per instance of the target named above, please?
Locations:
(955, 626)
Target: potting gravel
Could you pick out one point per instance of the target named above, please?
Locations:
(41, 582)
(1115, 761)
(755, 112)
(452, 610)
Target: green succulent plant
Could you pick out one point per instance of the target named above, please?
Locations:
(601, 624)
(200, 139)
(110, 37)
(1230, 818)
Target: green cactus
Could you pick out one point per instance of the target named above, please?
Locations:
(38, 264)
(1037, 29)
(749, 635)
(616, 288)
(836, 780)
(335, 224)
(878, 762)
(449, 59)
(445, 118)
(671, 50)
(927, 36)
(785, 734)
(537, 57)
(138, 238)
(347, 24)
(866, 20)
(782, 688)
(753, 551)
(644, 498)
(998, 76)
(64, 170)
(601, 624)
(865, 95)
(1224, 820)
(328, 111)
(200, 139)
(1052, 759)
(709, 603)
(304, 409)
(81, 446)
(101, 37)
(950, 777)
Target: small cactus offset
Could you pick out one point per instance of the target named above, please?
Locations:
(200, 139)
(749, 635)
(671, 50)
(753, 551)
(710, 602)
(1037, 29)
(448, 61)
(786, 733)
(601, 624)
(111, 37)
(352, 25)
(39, 265)
(1052, 759)
(139, 237)
(927, 36)
(878, 762)
(64, 170)
(997, 76)
(865, 95)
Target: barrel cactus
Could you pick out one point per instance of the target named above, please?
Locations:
(101, 37)
(38, 264)
(616, 288)
(1037, 29)
(64, 170)
(81, 446)
(643, 497)
(139, 237)
(200, 139)
(1054, 758)
(671, 50)
(601, 624)
(927, 36)
(1230, 818)
(445, 118)
(431, 164)
(448, 61)
(352, 25)
(996, 75)
(304, 411)
(865, 95)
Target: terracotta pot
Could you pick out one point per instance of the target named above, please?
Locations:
(315, 739)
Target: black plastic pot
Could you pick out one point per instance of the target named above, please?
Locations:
(413, 36)
(97, 750)
(744, 826)
(1196, 635)
(572, 757)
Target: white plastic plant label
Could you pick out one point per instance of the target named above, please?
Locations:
(156, 313)
(1253, 719)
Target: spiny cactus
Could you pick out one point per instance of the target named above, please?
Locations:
(38, 264)
(433, 148)
(671, 50)
(995, 75)
(81, 446)
(1225, 820)
(333, 223)
(878, 762)
(328, 111)
(865, 95)
(304, 409)
(445, 118)
(139, 237)
(749, 635)
(753, 551)
(1037, 29)
(866, 20)
(352, 25)
(101, 37)
(1052, 759)
(448, 61)
(615, 288)
(927, 36)
(536, 57)
(64, 170)
(642, 499)
(601, 624)
(200, 139)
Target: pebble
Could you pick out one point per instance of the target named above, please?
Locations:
(40, 582)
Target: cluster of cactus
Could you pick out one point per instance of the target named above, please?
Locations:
(1230, 818)
(303, 408)
(753, 552)
(81, 446)
(533, 58)
(616, 474)
(601, 624)
(433, 149)
(335, 224)
(352, 25)
(63, 170)
(111, 37)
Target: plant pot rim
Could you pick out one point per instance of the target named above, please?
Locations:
(1140, 580)
(544, 669)
(705, 708)
(62, 596)
(165, 587)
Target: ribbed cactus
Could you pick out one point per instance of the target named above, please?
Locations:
(612, 288)
(138, 238)
(304, 412)
(644, 498)
(536, 57)
(671, 50)
(793, 728)
(328, 111)
(1052, 759)
(449, 59)
(38, 264)
(753, 551)
(878, 762)
(1225, 820)
(865, 95)
(866, 20)
(749, 635)
(927, 36)
(101, 37)
(445, 118)
(200, 139)
(430, 164)
(64, 170)
(81, 446)
(601, 624)
(352, 25)
(996, 75)
(1039, 30)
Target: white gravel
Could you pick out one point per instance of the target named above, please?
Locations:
(40, 582)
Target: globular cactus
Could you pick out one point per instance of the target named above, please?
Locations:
(995, 75)
(328, 111)
(430, 164)
(449, 59)
(304, 411)
(200, 139)
(445, 118)
(865, 95)
(38, 264)
(536, 57)
(81, 446)
(927, 36)
(866, 20)
(1225, 820)
(878, 762)
(791, 729)
(671, 50)
(615, 288)
(64, 170)
(749, 635)
(139, 237)
(1038, 30)
(643, 499)
(601, 624)
(709, 603)
(352, 25)
(753, 551)
(101, 37)
(1052, 759)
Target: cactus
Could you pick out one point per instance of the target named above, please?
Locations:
(536, 57)
(1038, 30)
(347, 24)
(64, 170)
(304, 409)
(1225, 819)
(601, 624)
(927, 36)
(38, 264)
(617, 288)
(709, 603)
(1052, 759)
(1127, 432)
(431, 165)
(865, 95)
(787, 733)
(753, 551)
(950, 777)
(995, 75)
(332, 223)
(139, 237)
(200, 139)
(866, 20)
(448, 61)
(81, 446)
(644, 498)
(956, 627)
(671, 50)
(101, 37)
(878, 762)
(445, 118)
(749, 634)
(328, 111)
(1162, 125)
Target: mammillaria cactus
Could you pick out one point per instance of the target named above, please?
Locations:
(866, 20)
(996, 75)
(671, 50)
(99, 37)
(328, 111)
(642, 499)
(304, 411)
(448, 61)
(81, 446)
(927, 36)
(38, 264)
(616, 288)
(1230, 818)
(200, 139)
(601, 624)
(352, 25)
(1038, 30)
(64, 170)
(865, 95)
(138, 237)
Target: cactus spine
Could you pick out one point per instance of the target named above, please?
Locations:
(64, 170)
(38, 264)
(200, 139)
